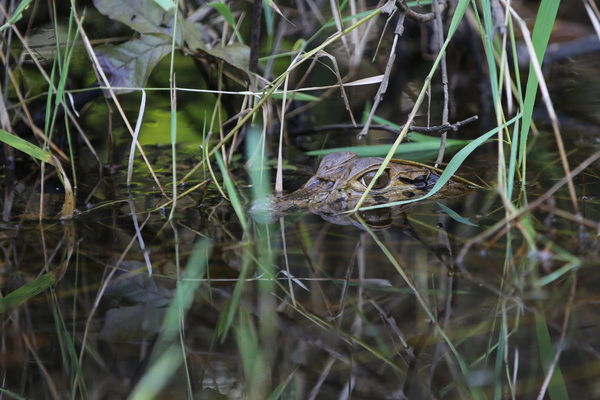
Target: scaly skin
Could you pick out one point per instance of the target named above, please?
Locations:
(342, 178)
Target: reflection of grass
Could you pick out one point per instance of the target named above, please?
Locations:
(278, 306)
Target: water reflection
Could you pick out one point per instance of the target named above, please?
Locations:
(318, 305)
(372, 301)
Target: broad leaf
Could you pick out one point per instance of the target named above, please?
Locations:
(236, 55)
(129, 64)
(142, 16)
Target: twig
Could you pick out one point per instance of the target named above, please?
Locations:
(404, 12)
(527, 208)
(386, 76)
(102, 78)
(396, 131)
(570, 216)
(415, 16)
(594, 14)
(255, 36)
(562, 341)
(440, 34)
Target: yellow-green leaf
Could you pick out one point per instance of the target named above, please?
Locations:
(27, 291)
(24, 146)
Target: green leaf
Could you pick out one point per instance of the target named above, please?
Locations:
(451, 168)
(233, 196)
(417, 151)
(140, 15)
(165, 4)
(27, 291)
(454, 215)
(18, 14)
(298, 96)
(130, 64)
(25, 146)
(226, 13)
(556, 389)
(541, 34)
(236, 55)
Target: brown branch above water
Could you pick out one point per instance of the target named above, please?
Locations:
(415, 16)
(419, 129)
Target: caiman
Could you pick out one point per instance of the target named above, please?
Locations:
(343, 177)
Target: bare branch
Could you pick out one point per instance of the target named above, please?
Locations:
(415, 16)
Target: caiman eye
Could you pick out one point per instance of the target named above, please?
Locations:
(380, 183)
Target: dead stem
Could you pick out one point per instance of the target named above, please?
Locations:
(386, 76)
(535, 64)
(504, 224)
(396, 131)
(418, 17)
(102, 78)
(92, 312)
(287, 264)
(562, 341)
(255, 35)
(570, 216)
(440, 34)
(592, 9)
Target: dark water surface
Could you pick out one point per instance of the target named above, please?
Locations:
(305, 307)
(353, 322)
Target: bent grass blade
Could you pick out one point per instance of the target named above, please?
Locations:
(27, 291)
(47, 157)
(451, 169)
(475, 392)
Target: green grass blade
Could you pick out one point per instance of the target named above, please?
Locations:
(25, 146)
(556, 389)
(541, 34)
(489, 50)
(18, 14)
(298, 96)
(230, 311)
(233, 196)
(451, 169)
(27, 291)
(12, 395)
(257, 171)
(67, 345)
(168, 356)
(454, 215)
(512, 164)
(226, 13)
(411, 151)
(158, 375)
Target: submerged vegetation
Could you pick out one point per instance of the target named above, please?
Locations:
(137, 133)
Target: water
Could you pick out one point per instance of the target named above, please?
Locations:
(438, 300)
(359, 314)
